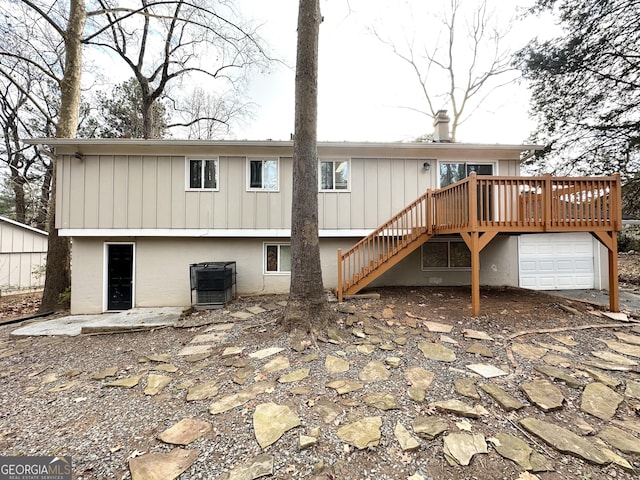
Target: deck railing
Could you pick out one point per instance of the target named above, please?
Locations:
(528, 204)
(484, 204)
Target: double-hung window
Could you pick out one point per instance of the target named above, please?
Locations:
(446, 253)
(277, 258)
(334, 175)
(202, 174)
(262, 174)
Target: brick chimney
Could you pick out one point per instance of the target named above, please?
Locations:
(441, 127)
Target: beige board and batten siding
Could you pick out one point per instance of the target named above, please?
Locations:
(147, 192)
(23, 253)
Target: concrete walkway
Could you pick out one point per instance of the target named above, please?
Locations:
(73, 325)
(628, 301)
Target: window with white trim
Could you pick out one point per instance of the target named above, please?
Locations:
(334, 175)
(452, 172)
(277, 258)
(262, 174)
(202, 174)
(446, 253)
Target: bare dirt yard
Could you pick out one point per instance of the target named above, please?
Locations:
(402, 387)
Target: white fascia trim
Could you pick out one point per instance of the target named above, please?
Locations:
(22, 225)
(203, 233)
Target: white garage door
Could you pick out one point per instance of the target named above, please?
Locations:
(558, 261)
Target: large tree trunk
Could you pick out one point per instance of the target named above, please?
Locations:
(40, 219)
(147, 120)
(58, 272)
(17, 184)
(307, 309)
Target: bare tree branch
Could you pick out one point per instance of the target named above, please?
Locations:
(188, 31)
(469, 81)
(45, 16)
(36, 102)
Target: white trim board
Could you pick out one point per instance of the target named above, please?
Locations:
(201, 233)
(22, 225)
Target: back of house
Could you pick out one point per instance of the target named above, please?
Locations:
(145, 216)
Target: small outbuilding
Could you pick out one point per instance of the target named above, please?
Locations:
(23, 253)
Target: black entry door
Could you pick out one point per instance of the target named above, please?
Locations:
(120, 276)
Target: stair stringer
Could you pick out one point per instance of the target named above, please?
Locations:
(387, 264)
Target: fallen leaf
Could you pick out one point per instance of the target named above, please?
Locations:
(135, 454)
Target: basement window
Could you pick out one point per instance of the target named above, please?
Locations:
(445, 254)
(277, 258)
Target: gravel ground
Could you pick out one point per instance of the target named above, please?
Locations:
(102, 427)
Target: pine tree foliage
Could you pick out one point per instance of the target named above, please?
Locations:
(585, 86)
(119, 114)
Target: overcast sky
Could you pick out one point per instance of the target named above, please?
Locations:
(364, 89)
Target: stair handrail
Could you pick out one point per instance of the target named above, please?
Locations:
(396, 226)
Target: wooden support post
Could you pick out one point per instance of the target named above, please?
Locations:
(616, 204)
(610, 240)
(614, 294)
(475, 274)
(473, 202)
(429, 221)
(547, 200)
(339, 288)
(472, 239)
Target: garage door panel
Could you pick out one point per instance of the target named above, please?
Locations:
(544, 283)
(528, 249)
(584, 282)
(584, 265)
(544, 266)
(556, 261)
(545, 250)
(564, 282)
(526, 266)
(564, 265)
(529, 282)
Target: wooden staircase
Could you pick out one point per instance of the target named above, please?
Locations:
(480, 207)
(386, 246)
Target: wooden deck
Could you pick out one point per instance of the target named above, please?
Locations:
(480, 207)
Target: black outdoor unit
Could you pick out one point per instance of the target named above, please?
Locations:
(214, 283)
